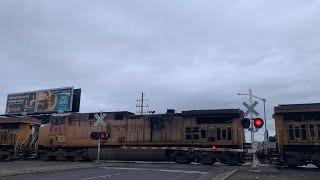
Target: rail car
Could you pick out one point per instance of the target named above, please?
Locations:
(203, 136)
(18, 137)
(298, 133)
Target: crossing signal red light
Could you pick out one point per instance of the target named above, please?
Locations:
(258, 122)
(245, 123)
(213, 148)
(101, 135)
(104, 136)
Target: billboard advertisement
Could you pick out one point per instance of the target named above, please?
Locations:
(24, 102)
(42, 101)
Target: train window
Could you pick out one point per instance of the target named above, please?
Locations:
(218, 134)
(188, 129)
(196, 136)
(188, 133)
(318, 131)
(311, 115)
(311, 129)
(291, 132)
(188, 136)
(229, 134)
(211, 139)
(297, 131)
(195, 132)
(303, 132)
(292, 116)
(224, 134)
(203, 133)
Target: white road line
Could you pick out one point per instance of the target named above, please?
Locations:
(224, 175)
(109, 175)
(162, 170)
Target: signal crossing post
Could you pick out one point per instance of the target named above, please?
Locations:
(255, 123)
(99, 145)
(254, 158)
(101, 123)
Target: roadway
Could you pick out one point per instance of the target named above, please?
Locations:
(38, 170)
(133, 171)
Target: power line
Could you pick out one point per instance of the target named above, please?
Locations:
(141, 105)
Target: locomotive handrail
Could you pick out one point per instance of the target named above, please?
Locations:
(35, 137)
(36, 146)
(15, 148)
(23, 142)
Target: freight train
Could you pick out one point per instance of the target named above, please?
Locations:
(203, 136)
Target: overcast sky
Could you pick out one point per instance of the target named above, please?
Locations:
(182, 54)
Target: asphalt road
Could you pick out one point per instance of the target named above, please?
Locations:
(131, 171)
(36, 170)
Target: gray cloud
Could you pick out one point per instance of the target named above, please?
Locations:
(182, 54)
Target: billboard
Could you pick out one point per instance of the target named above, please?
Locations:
(42, 101)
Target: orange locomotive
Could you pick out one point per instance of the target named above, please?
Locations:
(18, 137)
(298, 133)
(182, 137)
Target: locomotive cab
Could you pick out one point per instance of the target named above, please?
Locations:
(18, 137)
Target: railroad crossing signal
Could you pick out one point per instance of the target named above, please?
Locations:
(102, 135)
(258, 123)
(99, 135)
(100, 119)
(245, 123)
(250, 109)
(95, 135)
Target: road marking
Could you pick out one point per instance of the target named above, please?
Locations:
(224, 175)
(163, 170)
(141, 162)
(109, 175)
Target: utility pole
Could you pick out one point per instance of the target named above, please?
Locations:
(141, 105)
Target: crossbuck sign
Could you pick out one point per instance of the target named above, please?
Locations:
(100, 119)
(250, 109)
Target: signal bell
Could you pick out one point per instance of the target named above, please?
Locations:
(258, 123)
(245, 123)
